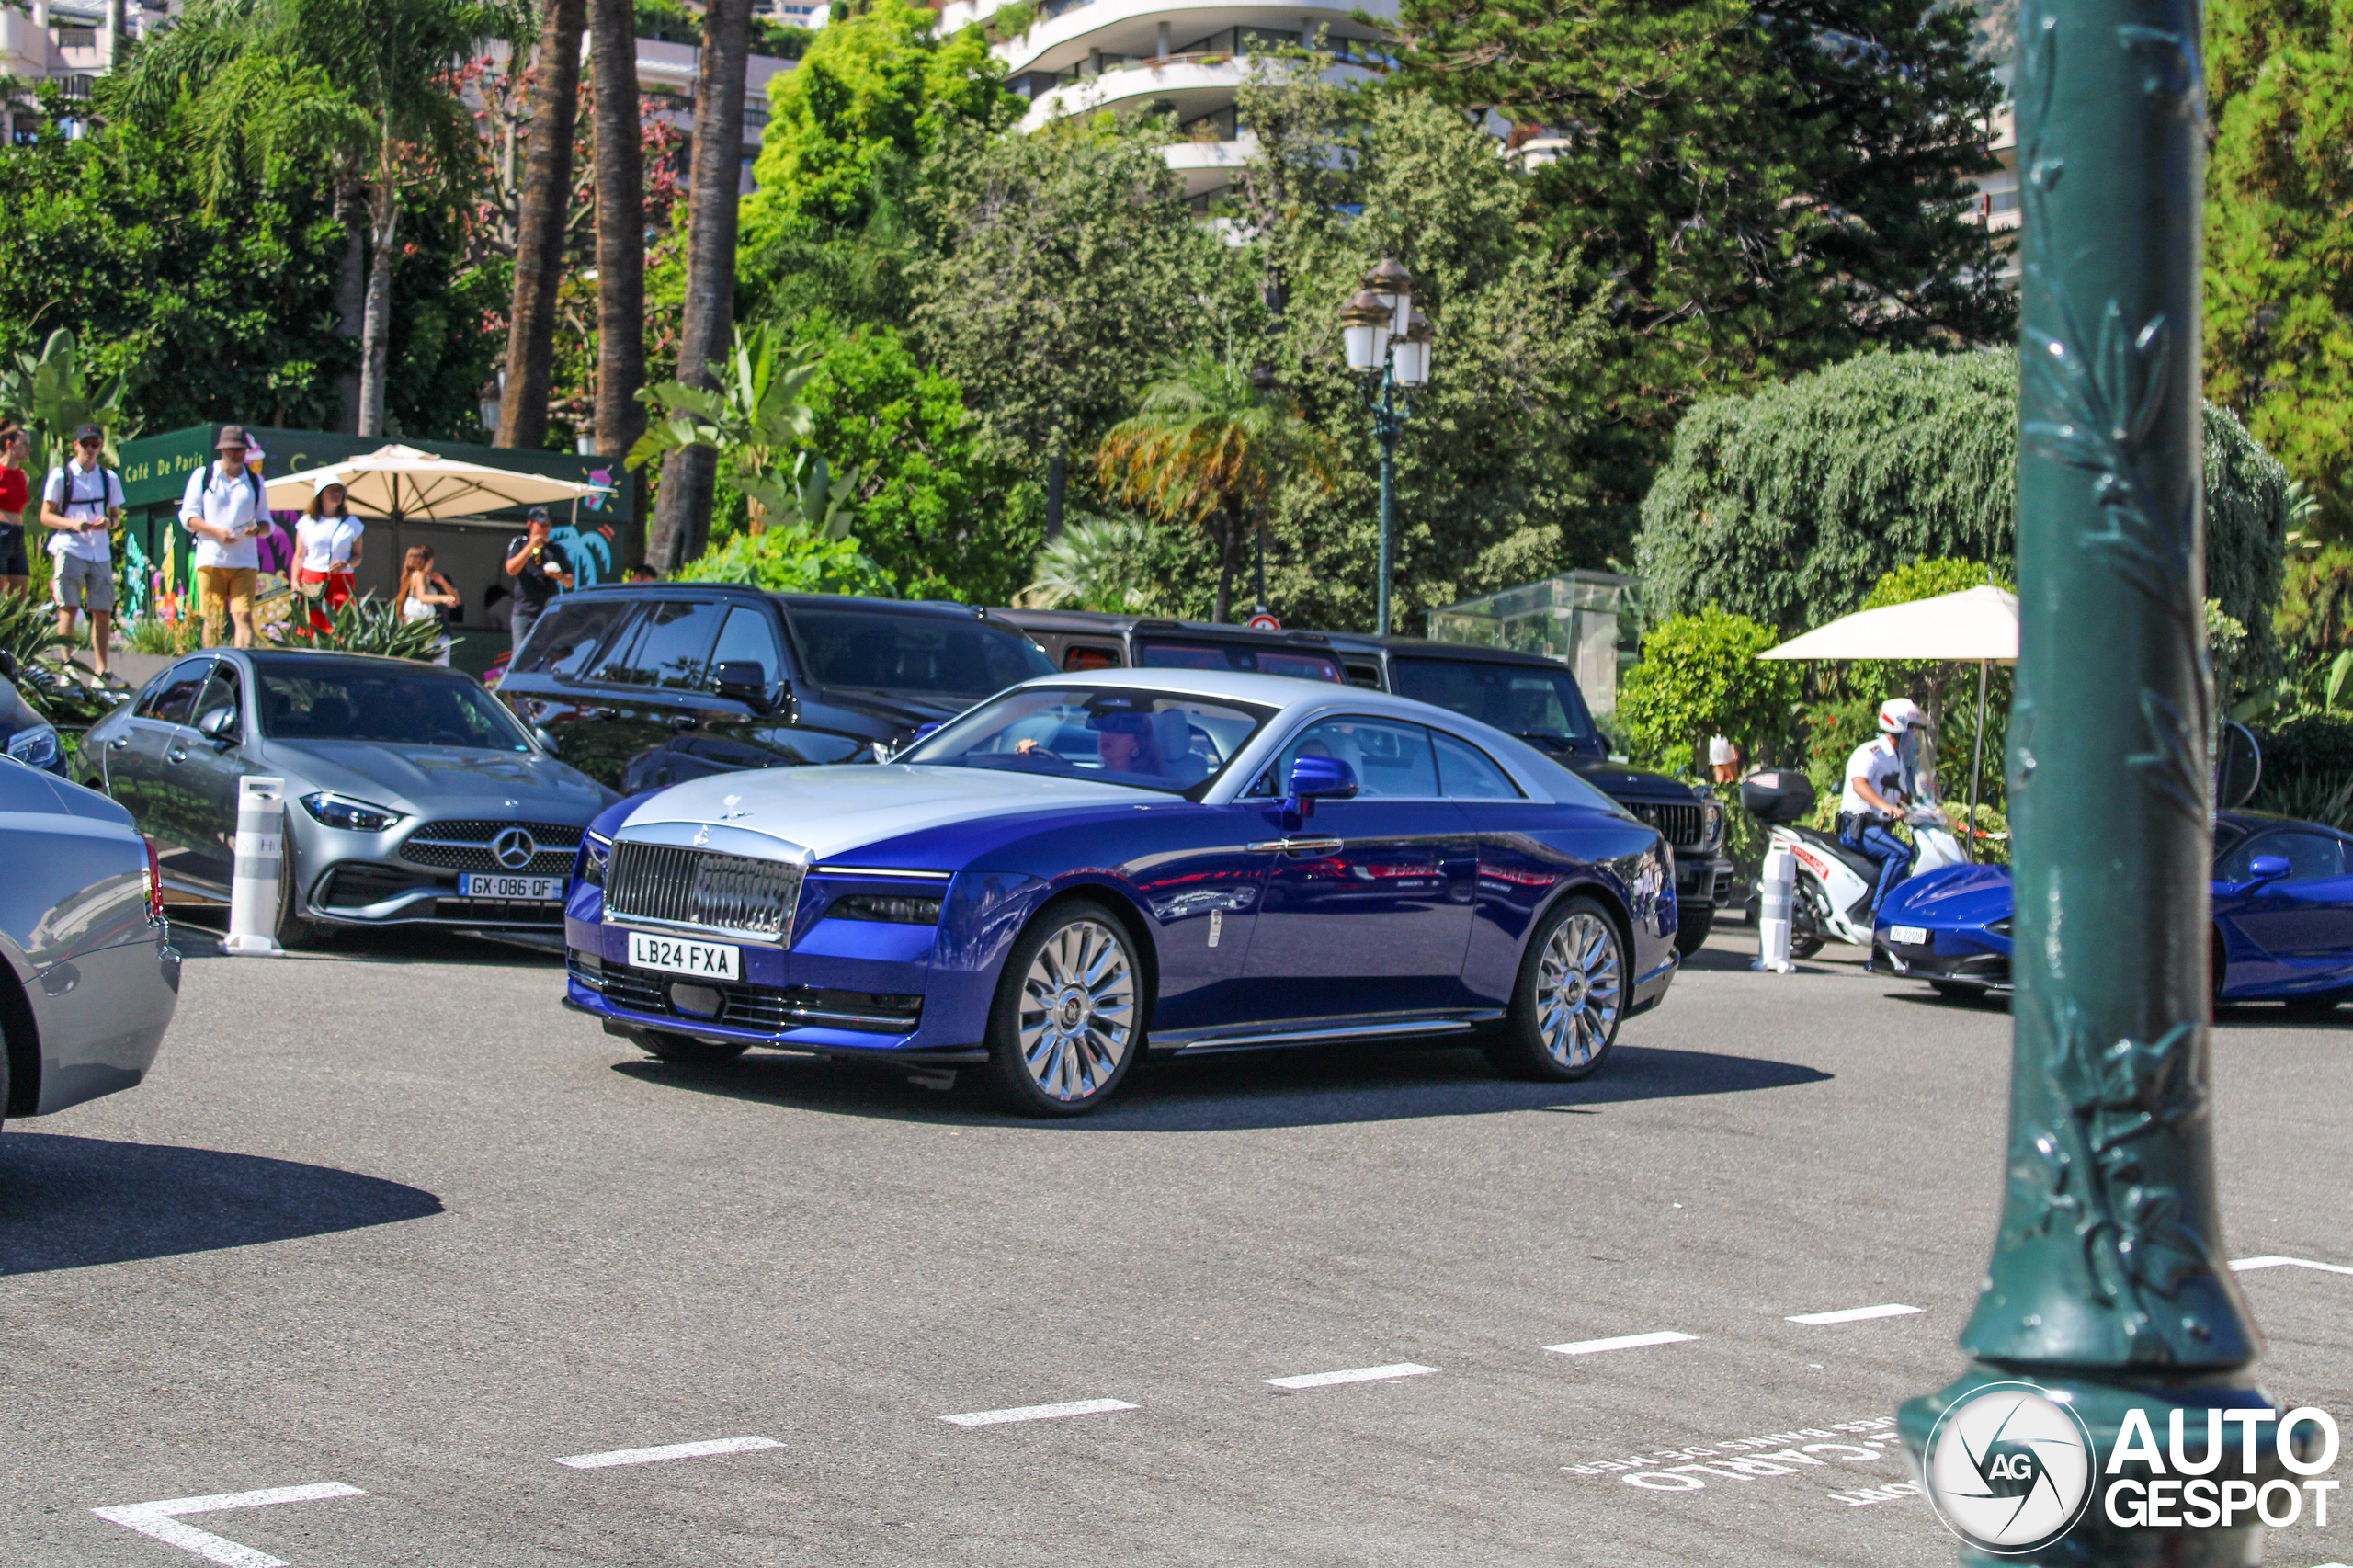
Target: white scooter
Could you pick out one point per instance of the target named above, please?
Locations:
(1831, 902)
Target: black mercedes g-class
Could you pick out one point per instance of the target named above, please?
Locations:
(643, 685)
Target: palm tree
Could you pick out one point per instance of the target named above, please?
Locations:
(682, 517)
(620, 228)
(538, 240)
(1208, 446)
(358, 89)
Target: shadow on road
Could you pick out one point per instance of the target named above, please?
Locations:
(70, 1202)
(197, 932)
(1286, 1088)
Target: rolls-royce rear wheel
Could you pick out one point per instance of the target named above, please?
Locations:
(1571, 996)
(1067, 1024)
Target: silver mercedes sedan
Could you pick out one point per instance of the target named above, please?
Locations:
(89, 976)
(413, 796)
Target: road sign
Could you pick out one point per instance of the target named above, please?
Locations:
(1262, 621)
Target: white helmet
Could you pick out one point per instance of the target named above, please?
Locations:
(1898, 715)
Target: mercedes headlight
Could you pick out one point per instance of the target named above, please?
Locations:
(36, 746)
(352, 816)
(1711, 825)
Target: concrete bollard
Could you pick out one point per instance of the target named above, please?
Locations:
(1776, 894)
(253, 886)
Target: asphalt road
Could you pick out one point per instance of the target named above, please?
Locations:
(391, 1226)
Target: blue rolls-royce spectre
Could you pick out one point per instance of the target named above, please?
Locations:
(1086, 867)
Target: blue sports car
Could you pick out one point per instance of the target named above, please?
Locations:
(1086, 867)
(2283, 918)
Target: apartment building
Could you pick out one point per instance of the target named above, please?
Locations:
(1187, 59)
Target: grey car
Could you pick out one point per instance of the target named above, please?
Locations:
(413, 796)
(90, 978)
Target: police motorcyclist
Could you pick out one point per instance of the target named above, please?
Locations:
(1875, 795)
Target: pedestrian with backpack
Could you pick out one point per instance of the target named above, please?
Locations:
(226, 509)
(80, 503)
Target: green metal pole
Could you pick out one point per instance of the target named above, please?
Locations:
(2109, 1285)
(1385, 424)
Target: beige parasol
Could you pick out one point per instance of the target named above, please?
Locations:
(400, 482)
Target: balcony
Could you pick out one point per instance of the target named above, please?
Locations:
(1144, 29)
(1189, 85)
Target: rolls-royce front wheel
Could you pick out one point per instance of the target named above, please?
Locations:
(1067, 1022)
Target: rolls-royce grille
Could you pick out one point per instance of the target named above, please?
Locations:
(473, 847)
(702, 889)
(1680, 824)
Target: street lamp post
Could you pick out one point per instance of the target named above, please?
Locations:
(2109, 1287)
(1388, 345)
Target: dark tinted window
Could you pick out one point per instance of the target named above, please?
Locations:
(568, 637)
(1518, 699)
(220, 692)
(748, 638)
(886, 651)
(2310, 856)
(329, 700)
(1088, 656)
(1365, 676)
(173, 699)
(1466, 773)
(672, 648)
(1169, 654)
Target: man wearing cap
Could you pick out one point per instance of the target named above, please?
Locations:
(538, 566)
(226, 508)
(79, 503)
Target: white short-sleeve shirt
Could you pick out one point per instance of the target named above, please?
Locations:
(1876, 762)
(82, 492)
(327, 541)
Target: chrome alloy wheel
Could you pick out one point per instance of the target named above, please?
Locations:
(1078, 1009)
(1579, 989)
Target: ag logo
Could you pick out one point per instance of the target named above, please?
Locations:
(2010, 1469)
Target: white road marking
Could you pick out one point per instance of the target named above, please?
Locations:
(1856, 1314)
(161, 1520)
(1038, 1412)
(669, 1451)
(1354, 1375)
(1623, 1342)
(2241, 1265)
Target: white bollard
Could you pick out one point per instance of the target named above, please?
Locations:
(1776, 891)
(253, 887)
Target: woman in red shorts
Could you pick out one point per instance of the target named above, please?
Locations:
(327, 549)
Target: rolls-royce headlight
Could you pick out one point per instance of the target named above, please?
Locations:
(895, 908)
(596, 854)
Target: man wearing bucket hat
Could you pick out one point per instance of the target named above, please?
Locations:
(79, 505)
(226, 509)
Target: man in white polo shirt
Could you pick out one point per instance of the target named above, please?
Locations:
(78, 504)
(226, 508)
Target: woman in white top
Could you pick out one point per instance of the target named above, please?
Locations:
(425, 592)
(328, 541)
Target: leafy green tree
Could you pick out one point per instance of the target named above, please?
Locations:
(1103, 563)
(933, 505)
(1208, 448)
(2278, 226)
(1064, 268)
(757, 426)
(1769, 185)
(358, 90)
(1492, 470)
(1700, 677)
(1787, 505)
(791, 561)
(51, 393)
(876, 87)
(2315, 614)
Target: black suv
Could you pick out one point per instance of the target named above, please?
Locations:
(1537, 698)
(1091, 640)
(644, 685)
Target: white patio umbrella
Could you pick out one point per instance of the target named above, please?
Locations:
(400, 483)
(1979, 624)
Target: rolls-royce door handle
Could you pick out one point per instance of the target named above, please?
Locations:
(1295, 846)
(177, 753)
(604, 713)
(120, 743)
(685, 721)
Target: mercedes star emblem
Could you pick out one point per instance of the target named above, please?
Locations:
(514, 848)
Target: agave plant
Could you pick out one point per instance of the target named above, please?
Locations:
(369, 625)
